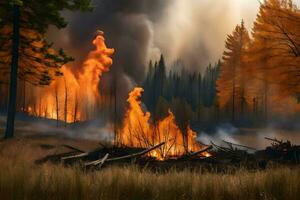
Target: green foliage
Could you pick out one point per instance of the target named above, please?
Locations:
(39, 63)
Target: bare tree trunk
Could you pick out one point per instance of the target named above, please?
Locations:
(243, 102)
(75, 107)
(66, 103)
(24, 95)
(115, 110)
(266, 89)
(40, 106)
(57, 106)
(9, 132)
(254, 107)
(233, 100)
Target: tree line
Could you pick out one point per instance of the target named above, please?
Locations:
(186, 93)
(256, 81)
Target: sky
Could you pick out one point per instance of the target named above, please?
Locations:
(201, 26)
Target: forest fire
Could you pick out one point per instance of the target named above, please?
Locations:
(201, 100)
(73, 97)
(138, 131)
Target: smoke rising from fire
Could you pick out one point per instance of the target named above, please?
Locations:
(179, 29)
(193, 31)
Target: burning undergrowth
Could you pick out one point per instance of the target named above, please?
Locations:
(139, 131)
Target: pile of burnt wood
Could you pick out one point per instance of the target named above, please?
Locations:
(217, 155)
(280, 151)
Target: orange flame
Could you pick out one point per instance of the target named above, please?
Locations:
(97, 63)
(137, 131)
(74, 99)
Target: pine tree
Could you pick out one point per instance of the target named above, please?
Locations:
(159, 80)
(231, 83)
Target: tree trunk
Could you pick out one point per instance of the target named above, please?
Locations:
(66, 103)
(9, 133)
(266, 90)
(233, 100)
(24, 96)
(75, 107)
(115, 110)
(254, 107)
(56, 102)
(243, 103)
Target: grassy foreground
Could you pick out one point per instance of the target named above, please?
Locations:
(21, 179)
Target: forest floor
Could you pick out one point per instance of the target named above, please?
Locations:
(21, 178)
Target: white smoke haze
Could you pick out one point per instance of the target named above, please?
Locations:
(254, 138)
(97, 130)
(94, 130)
(195, 30)
(259, 141)
(223, 132)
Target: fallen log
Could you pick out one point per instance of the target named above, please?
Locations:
(81, 155)
(104, 159)
(136, 154)
(239, 145)
(99, 162)
(274, 140)
(75, 156)
(201, 151)
(221, 148)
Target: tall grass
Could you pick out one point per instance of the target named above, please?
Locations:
(21, 179)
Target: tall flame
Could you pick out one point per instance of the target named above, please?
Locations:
(69, 98)
(138, 131)
(98, 62)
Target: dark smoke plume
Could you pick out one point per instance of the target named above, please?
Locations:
(192, 30)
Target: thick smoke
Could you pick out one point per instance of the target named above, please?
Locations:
(190, 30)
(139, 30)
(128, 28)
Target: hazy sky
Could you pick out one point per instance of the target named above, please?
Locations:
(195, 30)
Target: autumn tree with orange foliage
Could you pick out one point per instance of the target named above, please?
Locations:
(231, 83)
(275, 50)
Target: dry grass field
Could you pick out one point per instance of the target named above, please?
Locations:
(20, 178)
